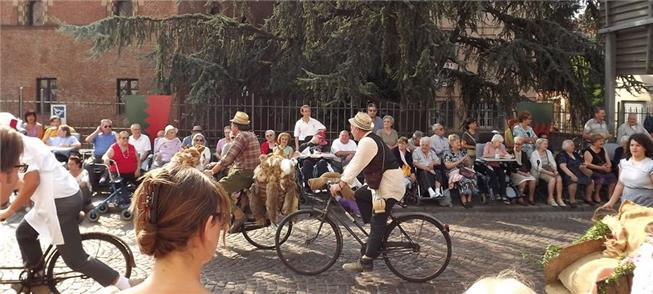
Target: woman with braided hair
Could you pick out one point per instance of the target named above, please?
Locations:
(178, 215)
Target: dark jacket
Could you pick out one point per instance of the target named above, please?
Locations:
(409, 158)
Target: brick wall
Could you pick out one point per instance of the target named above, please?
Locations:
(31, 52)
(86, 85)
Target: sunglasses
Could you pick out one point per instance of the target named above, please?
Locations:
(198, 140)
(107, 127)
(22, 168)
(123, 138)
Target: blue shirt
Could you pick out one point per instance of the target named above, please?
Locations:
(102, 142)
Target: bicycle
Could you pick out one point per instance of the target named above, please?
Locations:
(412, 233)
(260, 236)
(59, 278)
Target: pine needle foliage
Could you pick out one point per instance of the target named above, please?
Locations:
(355, 50)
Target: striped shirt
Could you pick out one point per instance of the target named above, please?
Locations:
(244, 152)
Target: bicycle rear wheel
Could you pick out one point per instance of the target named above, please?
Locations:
(263, 237)
(103, 247)
(417, 247)
(312, 246)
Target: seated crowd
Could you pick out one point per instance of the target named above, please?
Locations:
(438, 167)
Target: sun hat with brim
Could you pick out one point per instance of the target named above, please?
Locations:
(240, 118)
(362, 121)
(197, 129)
(9, 120)
(169, 128)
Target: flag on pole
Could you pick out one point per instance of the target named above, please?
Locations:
(151, 112)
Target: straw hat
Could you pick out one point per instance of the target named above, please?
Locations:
(240, 118)
(362, 121)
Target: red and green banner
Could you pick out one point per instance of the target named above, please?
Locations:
(542, 114)
(151, 112)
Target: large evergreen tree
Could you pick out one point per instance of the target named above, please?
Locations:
(351, 50)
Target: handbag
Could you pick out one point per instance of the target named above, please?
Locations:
(548, 167)
(467, 172)
(406, 170)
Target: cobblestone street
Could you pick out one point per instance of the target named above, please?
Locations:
(485, 241)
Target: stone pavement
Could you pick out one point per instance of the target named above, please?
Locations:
(485, 241)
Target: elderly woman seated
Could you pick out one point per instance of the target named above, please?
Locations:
(520, 172)
(127, 161)
(461, 177)
(426, 163)
(282, 145)
(545, 168)
(64, 138)
(166, 147)
(497, 175)
(205, 158)
(571, 164)
(596, 159)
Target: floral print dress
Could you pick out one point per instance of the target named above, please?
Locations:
(466, 186)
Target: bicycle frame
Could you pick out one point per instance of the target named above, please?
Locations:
(384, 245)
(30, 280)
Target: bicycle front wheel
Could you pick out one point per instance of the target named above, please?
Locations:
(262, 237)
(417, 247)
(312, 246)
(103, 247)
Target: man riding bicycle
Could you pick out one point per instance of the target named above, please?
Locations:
(57, 203)
(384, 186)
(244, 154)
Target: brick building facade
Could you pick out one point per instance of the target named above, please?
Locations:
(44, 66)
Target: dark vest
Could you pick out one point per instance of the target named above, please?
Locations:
(373, 172)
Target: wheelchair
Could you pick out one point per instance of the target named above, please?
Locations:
(120, 196)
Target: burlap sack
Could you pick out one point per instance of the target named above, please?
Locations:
(330, 177)
(569, 255)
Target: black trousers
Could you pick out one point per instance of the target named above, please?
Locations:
(427, 180)
(72, 252)
(377, 220)
(496, 178)
(90, 168)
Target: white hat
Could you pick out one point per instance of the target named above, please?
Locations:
(9, 120)
(169, 128)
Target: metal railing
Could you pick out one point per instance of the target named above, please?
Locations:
(281, 114)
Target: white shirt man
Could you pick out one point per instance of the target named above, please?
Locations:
(630, 127)
(140, 141)
(344, 148)
(306, 126)
(439, 143)
(596, 125)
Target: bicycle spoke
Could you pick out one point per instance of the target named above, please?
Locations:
(102, 247)
(313, 244)
(416, 249)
